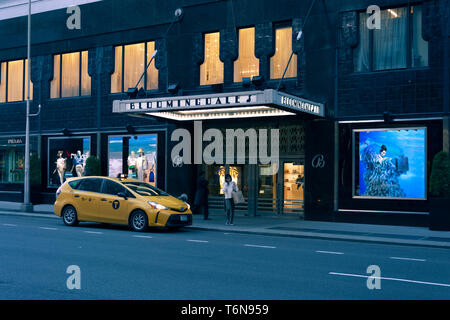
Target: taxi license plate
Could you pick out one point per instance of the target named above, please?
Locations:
(183, 218)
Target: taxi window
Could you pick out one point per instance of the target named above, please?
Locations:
(91, 185)
(113, 188)
(75, 184)
(144, 189)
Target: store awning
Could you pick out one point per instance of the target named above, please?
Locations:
(247, 104)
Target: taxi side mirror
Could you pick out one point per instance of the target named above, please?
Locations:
(122, 195)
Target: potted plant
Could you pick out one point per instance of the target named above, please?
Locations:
(440, 192)
(92, 166)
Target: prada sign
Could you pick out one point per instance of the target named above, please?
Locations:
(269, 97)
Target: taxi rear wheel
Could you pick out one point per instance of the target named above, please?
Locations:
(69, 216)
(139, 221)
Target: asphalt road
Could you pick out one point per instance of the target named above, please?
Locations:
(116, 263)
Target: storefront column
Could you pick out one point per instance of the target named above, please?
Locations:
(446, 134)
(252, 190)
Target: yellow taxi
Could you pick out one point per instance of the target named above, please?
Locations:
(119, 201)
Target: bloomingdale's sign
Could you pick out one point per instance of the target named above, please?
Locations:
(268, 97)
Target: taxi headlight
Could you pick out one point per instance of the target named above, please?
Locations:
(157, 205)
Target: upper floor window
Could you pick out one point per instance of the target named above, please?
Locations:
(247, 65)
(70, 75)
(397, 44)
(130, 63)
(283, 50)
(211, 71)
(14, 80)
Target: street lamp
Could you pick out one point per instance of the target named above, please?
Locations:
(27, 206)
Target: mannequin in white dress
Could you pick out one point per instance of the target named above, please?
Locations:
(141, 165)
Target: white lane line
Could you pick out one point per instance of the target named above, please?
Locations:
(200, 241)
(392, 279)
(258, 246)
(9, 225)
(47, 228)
(408, 259)
(329, 252)
(147, 237)
(93, 232)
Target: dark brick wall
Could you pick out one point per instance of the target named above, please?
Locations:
(407, 91)
(109, 23)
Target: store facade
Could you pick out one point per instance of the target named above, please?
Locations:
(392, 111)
(206, 70)
(262, 148)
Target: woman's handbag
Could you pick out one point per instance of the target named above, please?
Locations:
(238, 197)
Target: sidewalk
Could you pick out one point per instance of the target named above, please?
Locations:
(293, 226)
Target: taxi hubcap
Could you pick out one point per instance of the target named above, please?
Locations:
(139, 221)
(69, 215)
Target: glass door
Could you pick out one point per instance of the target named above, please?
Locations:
(267, 189)
(293, 187)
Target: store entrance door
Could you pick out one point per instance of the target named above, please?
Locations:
(293, 187)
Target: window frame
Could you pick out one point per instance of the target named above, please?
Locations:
(122, 79)
(25, 65)
(282, 25)
(238, 52)
(80, 75)
(408, 40)
(204, 59)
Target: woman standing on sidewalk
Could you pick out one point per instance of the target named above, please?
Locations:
(228, 187)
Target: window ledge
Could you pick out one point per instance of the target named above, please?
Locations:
(390, 70)
(70, 98)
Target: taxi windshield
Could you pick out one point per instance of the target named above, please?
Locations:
(144, 189)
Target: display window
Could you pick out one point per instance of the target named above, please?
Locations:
(12, 163)
(67, 158)
(390, 163)
(134, 155)
(12, 160)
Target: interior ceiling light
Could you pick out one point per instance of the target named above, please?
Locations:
(223, 113)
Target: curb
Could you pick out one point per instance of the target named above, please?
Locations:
(38, 214)
(326, 237)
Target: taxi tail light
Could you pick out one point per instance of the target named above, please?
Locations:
(58, 191)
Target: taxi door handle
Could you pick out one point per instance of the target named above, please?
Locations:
(103, 199)
(76, 196)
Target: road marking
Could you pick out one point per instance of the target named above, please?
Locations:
(47, 228)
(147, 237)
(329, 252)
(201, 241)
(392, 279)
(258, 246)
(9, 225)
(408, 259)
(94, 232)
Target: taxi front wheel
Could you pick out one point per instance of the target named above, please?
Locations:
(139, 221)
(69, 216)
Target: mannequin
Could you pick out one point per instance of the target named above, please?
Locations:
(141, 165)
(61, 166)
(151, 174)
(78, 163)
(132, 164)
